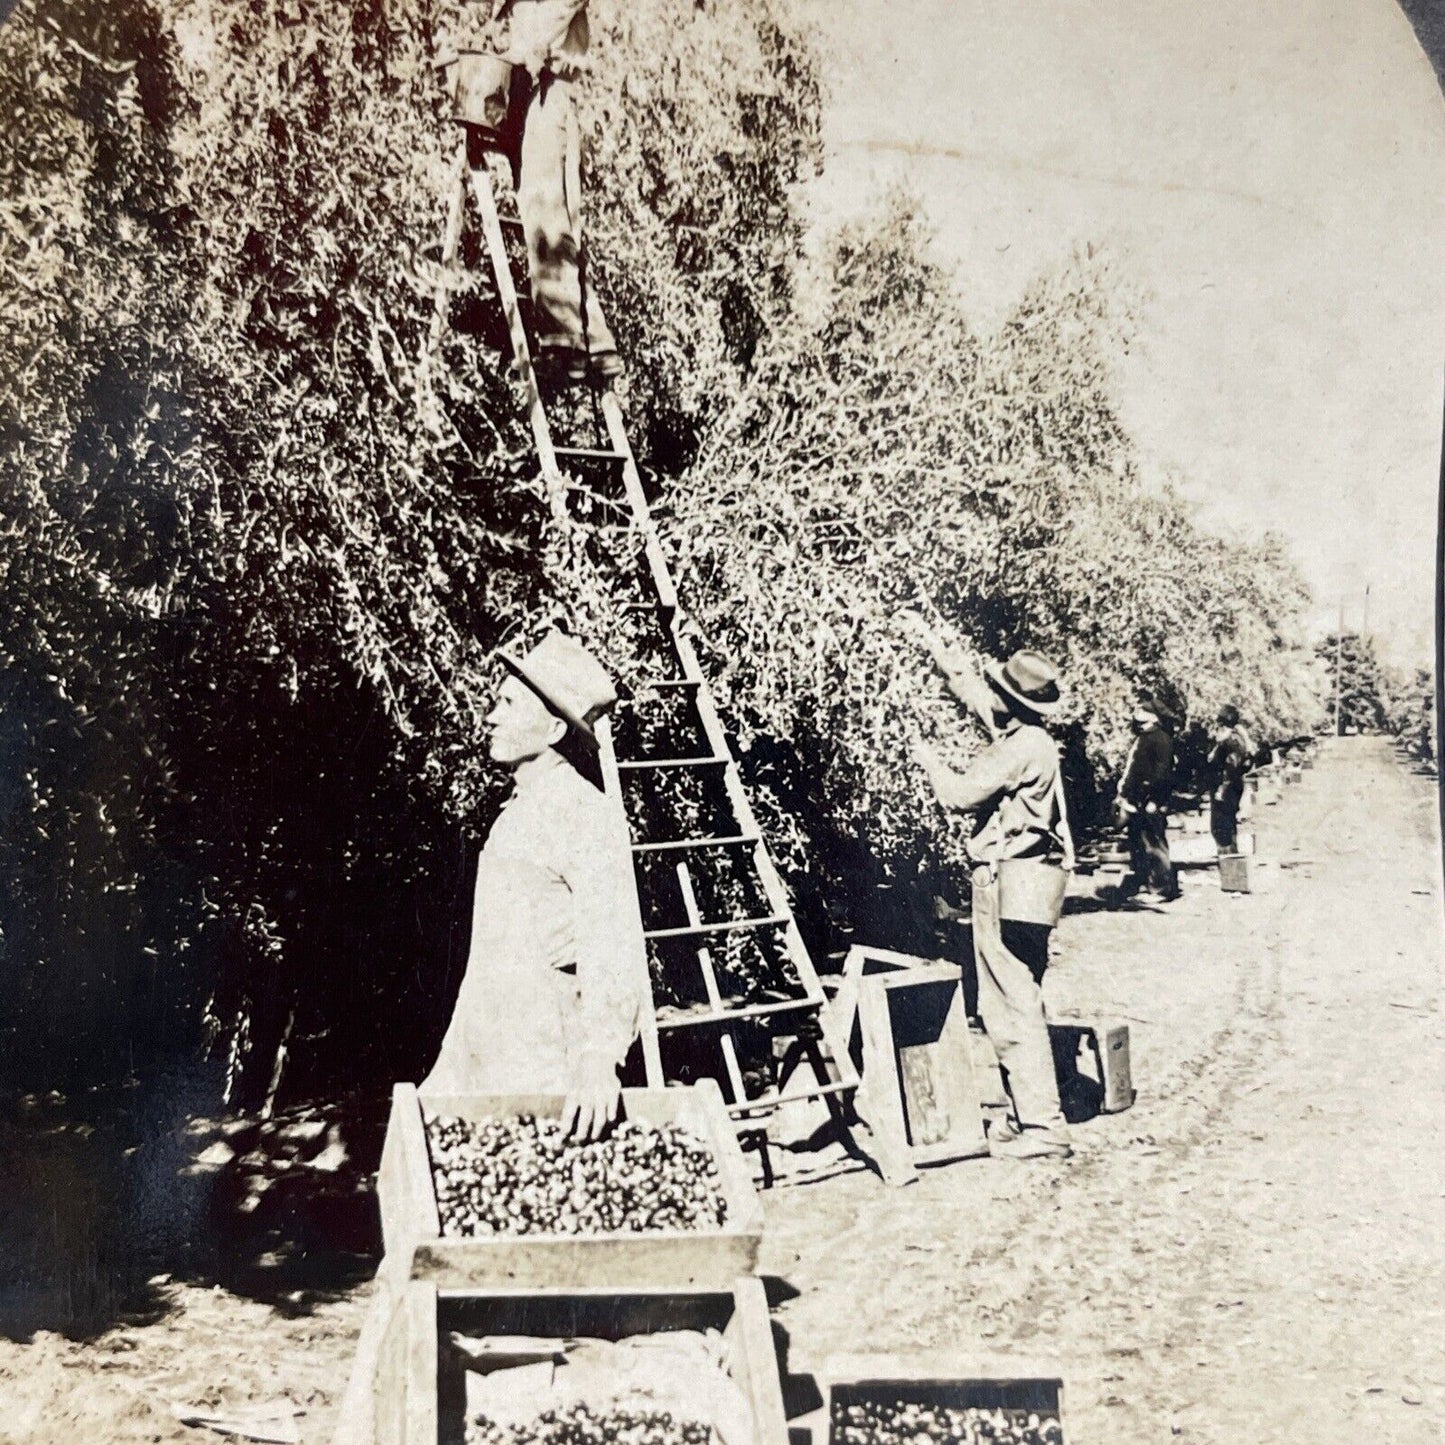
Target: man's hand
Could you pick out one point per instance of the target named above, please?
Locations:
(948, 657)
(594, 1103)
(924, 754)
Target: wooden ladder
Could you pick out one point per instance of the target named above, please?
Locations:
(802, 1057)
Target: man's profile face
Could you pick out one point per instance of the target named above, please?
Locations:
(522, 727)
(999, 708)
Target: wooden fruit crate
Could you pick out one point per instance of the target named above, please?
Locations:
(947, 1379)
(411, 1225)
(907, 1031)
(1233, 873)
(420, 1380)
(1105, 1043)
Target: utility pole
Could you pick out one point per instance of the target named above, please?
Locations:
(1365, 623)
(1339, 643)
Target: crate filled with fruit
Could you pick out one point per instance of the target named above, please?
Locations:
(664, 1367)
(937, 1401)
(487, 1190)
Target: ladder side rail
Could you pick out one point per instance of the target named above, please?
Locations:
(773, 886)
(651, 1053)
(451, 240)
(716, 734)
(641, 512)
(483, 187)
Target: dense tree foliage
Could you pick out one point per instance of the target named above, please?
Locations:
(257, 538)
(255, 542)
(887, 456)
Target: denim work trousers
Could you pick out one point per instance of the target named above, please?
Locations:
(1011, 1005)
(1149, 860)
(549, 198)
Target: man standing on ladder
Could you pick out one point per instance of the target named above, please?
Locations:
(550, 1002)
(1021, 850)
(547, 41)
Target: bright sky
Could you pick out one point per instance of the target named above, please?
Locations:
(1271, 172)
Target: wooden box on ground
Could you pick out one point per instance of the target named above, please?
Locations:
(411, 1226)
(1091, 1060)
(1104, 1043)
(907, 1031)
(948, 1379)
(420, 1380)
(1234, 873)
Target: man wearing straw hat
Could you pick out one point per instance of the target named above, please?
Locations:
(550, 1000)
(1021, 851)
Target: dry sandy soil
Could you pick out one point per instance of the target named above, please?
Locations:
(1253, 1253)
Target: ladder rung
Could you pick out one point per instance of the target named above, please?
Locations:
(672, 1017)
(634, 765)
(735, 925)
(766, 1103)
(592, 452)
(731, 840)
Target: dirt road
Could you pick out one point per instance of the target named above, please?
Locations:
(1254, 1253)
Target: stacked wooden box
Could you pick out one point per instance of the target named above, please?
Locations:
(937, 1398)
(408, 1386)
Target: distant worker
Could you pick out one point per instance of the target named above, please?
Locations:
(1144, 795)
(1020, 850)
(1229, 762)
(548, 40)
(550, 1000)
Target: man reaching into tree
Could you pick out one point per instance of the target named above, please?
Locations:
(550, 1000)
(1020, 849)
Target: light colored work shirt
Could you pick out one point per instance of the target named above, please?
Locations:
(555, 30)
(1011, 788)
(557, 957)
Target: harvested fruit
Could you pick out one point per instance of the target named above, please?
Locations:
(581, 1425)
(908, 1422)
(520, 1176)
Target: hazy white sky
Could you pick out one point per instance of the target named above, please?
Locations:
(1271, 172)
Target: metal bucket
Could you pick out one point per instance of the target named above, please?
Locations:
(482, 94)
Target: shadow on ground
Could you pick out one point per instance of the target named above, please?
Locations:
(110, 1196)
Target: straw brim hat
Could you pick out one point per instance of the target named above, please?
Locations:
(568, 679)
(1028, 680)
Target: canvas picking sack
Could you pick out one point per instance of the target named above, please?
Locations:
(1031, 890)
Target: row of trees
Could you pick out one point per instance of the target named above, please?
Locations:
(1366, 694)
(256, 544)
